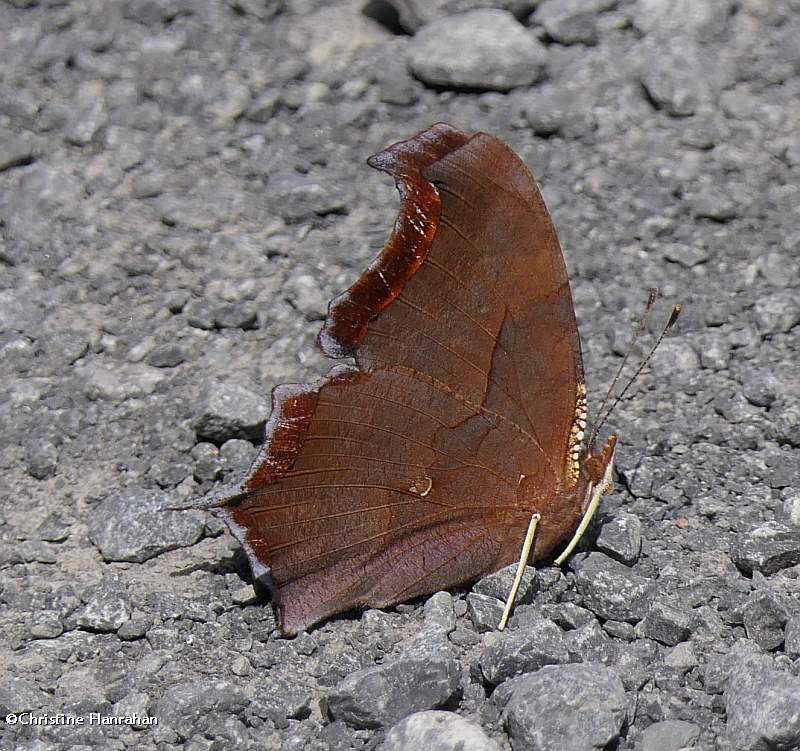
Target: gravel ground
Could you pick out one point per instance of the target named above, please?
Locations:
(183, 188)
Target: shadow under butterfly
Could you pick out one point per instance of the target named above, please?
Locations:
(458, 435)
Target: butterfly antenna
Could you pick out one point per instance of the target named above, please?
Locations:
(652, 296)
(676, 311)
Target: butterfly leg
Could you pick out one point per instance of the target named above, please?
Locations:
(523, 560)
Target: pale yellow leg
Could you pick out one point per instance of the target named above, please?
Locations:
(523, 560)
(599, 491)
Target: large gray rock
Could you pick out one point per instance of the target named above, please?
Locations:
(666, 623)
(414, 14)
(540, 642)
(777, 312)
(767, 548)
(576, 707)
(763, 710)
(764, 617)
(703, 19)
(133, 526)
(192, 706)
(612, 590)
(106, 608)
(571, 21)
(437, 731)
(621, 538)
(229, 410)
(669, 735)
(426, 676)
(679, 76)
(481, 49)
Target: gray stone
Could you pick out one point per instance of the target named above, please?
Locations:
(15, 152)
(764, 617)
(522, 650)
(207, 462)
(669, 735)
(551, 109)
(576, 707)
(34, 550)
(41, 458)
(480, 49)
(133, 526)
(299, 198)
(571, 21)
(791, 645)
(759, 386)
(86, 123)
(306, 294)
(279, 700)
(425, 676)
(437, 731)
(763, 710)
(612, 590)
(621, 538)
(190, 707)
(264, 106)
(484, 611)
(439, 612)
(620, 630)
(589, 643)
(686, 255)
(148, 185)
(237, 456)
(106, 608)
(791, 505)
(665, 623)
(682, 656)
(135, 628)
(702, 19)
(675, 356)
(166, 356)
(397, 86)
(779, 269)
(713, 202)
(675, 74)
(777, 313)
(228, 410)
(47, 627)
(65, 346)
(498, 585)
(742, 656)
(200, 314)
(117, 382)
(238, 315)
(55, 528)
(133, 705)
(464, 637)
(568, 615)
(414, 14)
(767, 548)
(21, 695)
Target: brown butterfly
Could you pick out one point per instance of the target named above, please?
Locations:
(420, 467)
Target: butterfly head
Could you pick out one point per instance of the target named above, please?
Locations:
(598, 469)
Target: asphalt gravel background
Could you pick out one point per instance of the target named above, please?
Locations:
(183, 187)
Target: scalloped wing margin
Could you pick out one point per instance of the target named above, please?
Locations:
(349, 314)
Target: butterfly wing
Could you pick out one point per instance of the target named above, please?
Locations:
(399, 477)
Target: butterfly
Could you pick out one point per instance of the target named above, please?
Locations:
(462, 423)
